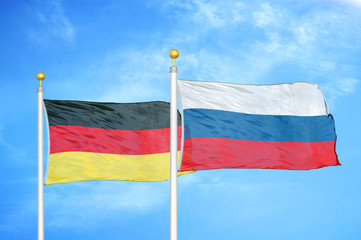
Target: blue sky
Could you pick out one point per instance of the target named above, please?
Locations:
(118, 51)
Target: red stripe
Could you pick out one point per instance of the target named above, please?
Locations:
(97, 140)
(215, 153)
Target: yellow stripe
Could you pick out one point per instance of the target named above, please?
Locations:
(81, 166)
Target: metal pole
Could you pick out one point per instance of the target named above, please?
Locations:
(40, 77)
(173, 149)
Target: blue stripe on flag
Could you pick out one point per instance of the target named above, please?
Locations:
(252, 127)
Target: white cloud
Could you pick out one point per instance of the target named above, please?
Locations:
(338, 87)
(188, 179)
(52, 24)
(353, 2)
(348, 85)
(215, 14)
(308, 42)
(268, 16)
(304, 34)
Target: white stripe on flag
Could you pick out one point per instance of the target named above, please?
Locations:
(298, 99)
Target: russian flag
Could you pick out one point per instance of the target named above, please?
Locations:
(282, 126)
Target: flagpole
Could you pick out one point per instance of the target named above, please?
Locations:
(40, 76)
(173, 148)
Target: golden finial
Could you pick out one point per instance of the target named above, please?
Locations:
(40, 76)
(173, 54)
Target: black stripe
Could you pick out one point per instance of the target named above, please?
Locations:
(120, 116)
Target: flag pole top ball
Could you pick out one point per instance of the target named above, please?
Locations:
(40, 76)
(173, 54)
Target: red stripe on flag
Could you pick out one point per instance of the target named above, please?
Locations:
(215, 153)
(97, 140)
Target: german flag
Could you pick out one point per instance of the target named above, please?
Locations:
(108, 141)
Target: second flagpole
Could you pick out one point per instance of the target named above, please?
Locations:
(173, 148)
(40, 76)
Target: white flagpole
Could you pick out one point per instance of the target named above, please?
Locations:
(173, 148)
(40, 76)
